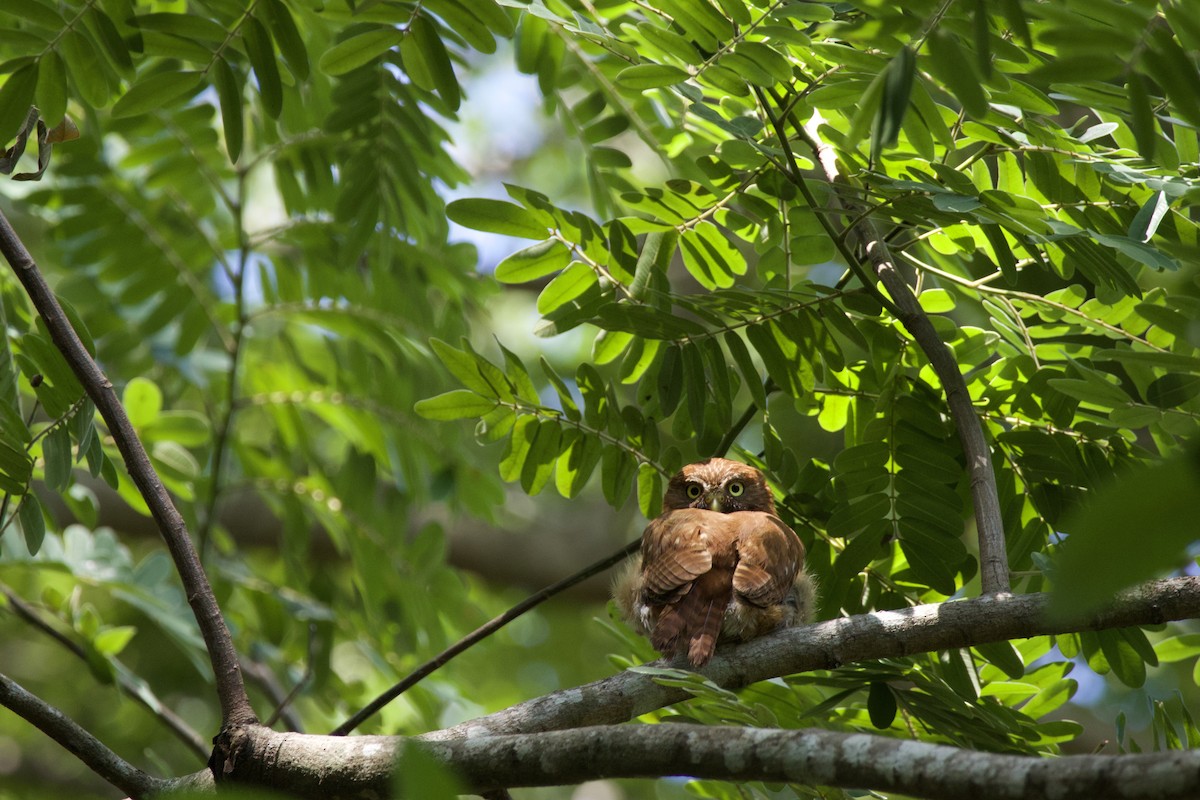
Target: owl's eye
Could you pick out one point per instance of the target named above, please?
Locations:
(736, 488)
(693, 490)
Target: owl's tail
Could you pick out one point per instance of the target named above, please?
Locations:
(695, 620)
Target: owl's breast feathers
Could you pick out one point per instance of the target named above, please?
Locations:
(707, 576)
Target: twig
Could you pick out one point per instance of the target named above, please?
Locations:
(235, 705)
(481, 633)
(176, 723)
(87, 748)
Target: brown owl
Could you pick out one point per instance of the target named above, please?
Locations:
(716, 565)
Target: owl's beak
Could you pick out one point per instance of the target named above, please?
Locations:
(713, 501)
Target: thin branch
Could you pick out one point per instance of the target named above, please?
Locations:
(481, 633)
(87, 748)
(993, 558)
(828, 645)
(186, 733)
(235, 706)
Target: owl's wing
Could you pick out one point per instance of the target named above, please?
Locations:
(769, 556)
(674, 553)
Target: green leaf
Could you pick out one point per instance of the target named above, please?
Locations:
(455, 404)
(363, 48)
(571, 284)
(426, 61)
(16, 96)
(1005, 656)
(229, 94)
(111, 641)
(1146, 222)
(56, 449)
(1141, 115)
(33, 524)
(1168, 493)
(533, 262)
(88, 69)
(1124, 661)
(893, 104)
(577, 464)
(881, 705)
(538, 466)
(156, 91)
(953, 68)
(1173, 389)
(266, 67)
(16, 468)
(649, 491)
(649, 76)
(52, 88)
(497, 216)
(287, 37)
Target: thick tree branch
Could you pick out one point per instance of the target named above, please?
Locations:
(235, 705)
(816, 758)
(827, 645)
(361, 766)
(993, 558)
(87, 748)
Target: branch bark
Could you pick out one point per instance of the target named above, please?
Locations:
(87, 748)
(993, 558)
(813, 757)
(231, 690)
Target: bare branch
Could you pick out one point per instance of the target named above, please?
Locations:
(481, 633)
(993, 558)
(87, 748)
(235, 705)
(827, 645)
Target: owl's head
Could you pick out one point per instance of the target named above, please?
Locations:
(719, 484)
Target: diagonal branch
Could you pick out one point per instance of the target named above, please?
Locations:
(87, 748)
(481, 633)
(828, 645)
(235, 705)
(993, 558)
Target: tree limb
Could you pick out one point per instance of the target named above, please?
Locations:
(813, 757)
(235, 705)
(828, 645)
(993, 558)
(87, 748)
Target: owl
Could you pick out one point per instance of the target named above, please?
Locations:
(717, 565)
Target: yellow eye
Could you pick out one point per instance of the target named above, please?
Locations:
(693, 490)
(736, 488)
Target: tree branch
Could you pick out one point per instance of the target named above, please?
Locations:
(993, 558)
(87, 748)
(235, 705)
(828, 645)
(813, 757)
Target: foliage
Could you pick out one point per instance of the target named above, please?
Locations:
(252, 236)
